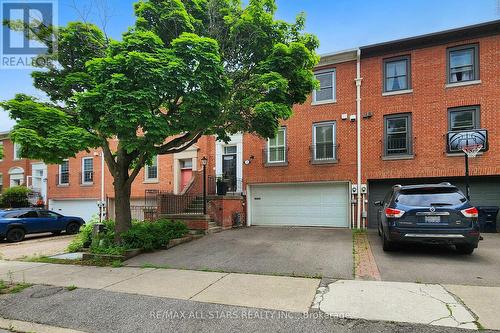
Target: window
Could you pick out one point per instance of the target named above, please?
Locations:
(87, 170)
(463, 63)
(1, 183)
(17, 151)
(324, 142)
(48, 214)
(64, 173)
(397, 74)
(151, 172)
(187, 164)
(29, 215)
(229, 150)
(463, 118)
(326, 91)
(276, 147)
(398, 135)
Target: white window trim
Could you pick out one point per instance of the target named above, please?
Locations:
(16, 158)
(333, 72)
(146, 172)
(83, 170)
(284, 149)
(60, 183)
(334, 133)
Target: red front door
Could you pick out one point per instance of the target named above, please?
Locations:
(186, 175)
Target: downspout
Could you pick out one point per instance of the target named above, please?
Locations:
(358, 135)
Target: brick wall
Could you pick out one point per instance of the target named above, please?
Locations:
(299, 136)
(428, 104)
(8, 162)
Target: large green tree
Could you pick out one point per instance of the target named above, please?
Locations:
(185, 69)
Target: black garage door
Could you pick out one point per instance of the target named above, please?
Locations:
(485, 191)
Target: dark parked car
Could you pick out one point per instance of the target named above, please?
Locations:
(16, 223)
(432, 213)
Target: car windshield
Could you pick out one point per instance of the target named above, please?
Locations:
(426, 197)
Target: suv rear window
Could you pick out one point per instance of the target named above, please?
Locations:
(426, 197)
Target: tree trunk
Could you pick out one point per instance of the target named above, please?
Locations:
(123, 218)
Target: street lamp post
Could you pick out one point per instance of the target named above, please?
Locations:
(204, 163)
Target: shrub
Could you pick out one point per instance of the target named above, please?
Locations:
(15, 197)
(142, 235)
(153, 235)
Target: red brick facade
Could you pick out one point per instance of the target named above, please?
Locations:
(428, 104)
(9, 163)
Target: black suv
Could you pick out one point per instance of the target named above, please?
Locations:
(432, 213)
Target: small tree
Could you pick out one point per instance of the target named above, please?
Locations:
(185, 69)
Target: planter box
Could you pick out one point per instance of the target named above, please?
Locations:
(134, 252)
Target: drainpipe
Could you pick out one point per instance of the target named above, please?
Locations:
(358, 135)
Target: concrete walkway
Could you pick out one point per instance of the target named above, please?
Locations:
(256, 291)
(429, 304)
(35, 245)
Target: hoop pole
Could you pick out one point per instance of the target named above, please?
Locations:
(467, 185)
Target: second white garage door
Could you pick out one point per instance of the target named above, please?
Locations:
(86, 209)
(311, 204)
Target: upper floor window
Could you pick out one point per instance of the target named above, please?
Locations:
(324, 142)
(17, 151)
(64, 173)
(326, 91)
(276, 147)
(397, 74)
(463, 63)
(87, 170)
(151, 169)
(463, 118)
(397, 132)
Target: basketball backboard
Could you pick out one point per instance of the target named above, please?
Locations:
(457, 140)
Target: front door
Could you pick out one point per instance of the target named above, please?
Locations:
(229, 168)
(186, 173)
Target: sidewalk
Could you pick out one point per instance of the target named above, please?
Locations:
(370, 300)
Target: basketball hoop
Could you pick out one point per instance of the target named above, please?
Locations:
(472, 150)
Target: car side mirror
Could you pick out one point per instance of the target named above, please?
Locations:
(378, 203)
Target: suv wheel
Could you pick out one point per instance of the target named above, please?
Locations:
(465, 248)
(15, 235)
(387, 245)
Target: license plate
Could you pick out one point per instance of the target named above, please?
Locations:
(432, 219)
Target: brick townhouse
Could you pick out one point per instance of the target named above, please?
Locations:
(15, 171)
(411, 93)
(380, 117)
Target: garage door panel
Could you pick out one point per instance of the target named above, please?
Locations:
(300, 205)
(86, 209)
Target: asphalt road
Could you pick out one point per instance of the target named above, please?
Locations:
(440, 264)
(102, 311)
(287, 251)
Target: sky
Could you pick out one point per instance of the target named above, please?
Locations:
(339, 25)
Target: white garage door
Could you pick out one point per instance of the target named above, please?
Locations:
(318, 204)
(86, 209)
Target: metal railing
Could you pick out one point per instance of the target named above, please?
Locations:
(62, 179)
(324, 152)
(275, 155)
(169, 203)
(144, 213)
(86, 177)
(220, 185)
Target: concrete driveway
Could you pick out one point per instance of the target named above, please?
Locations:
(438, 264)
(310, 252)
(35, 245)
